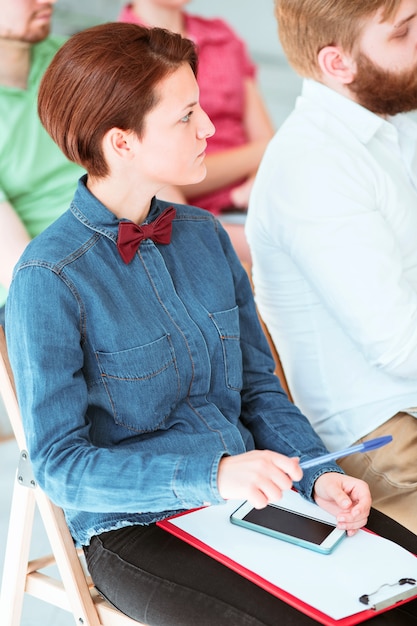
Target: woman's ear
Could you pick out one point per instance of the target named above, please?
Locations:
(118, 143)
(336, 65)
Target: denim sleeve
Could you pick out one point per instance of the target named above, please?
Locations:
(274, 422)
(44, 335)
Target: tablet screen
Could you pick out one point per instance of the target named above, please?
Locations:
(290, 523)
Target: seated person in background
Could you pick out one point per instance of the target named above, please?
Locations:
(332, 227)
(230, 96)
(142, 350)
(36, 180)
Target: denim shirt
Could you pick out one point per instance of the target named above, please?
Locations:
(135, 380)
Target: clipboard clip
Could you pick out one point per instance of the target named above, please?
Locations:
(397, 597)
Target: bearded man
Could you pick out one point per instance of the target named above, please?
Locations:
(332, 228)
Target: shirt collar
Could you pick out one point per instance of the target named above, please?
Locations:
(95, 215)
(362, 123)
(203, 31)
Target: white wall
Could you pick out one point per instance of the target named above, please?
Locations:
(253, 19)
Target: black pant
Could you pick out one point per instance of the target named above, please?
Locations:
(160, 580)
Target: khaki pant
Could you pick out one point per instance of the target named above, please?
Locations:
(391, 471)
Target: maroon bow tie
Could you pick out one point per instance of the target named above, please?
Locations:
(130, 234)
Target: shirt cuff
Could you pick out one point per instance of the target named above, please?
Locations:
(195, 483)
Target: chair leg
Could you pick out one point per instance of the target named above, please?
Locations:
(70, 569)
(17, 555)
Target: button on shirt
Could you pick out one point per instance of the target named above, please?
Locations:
(332, 226)
(135, 380)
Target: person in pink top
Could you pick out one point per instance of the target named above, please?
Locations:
(230, 96)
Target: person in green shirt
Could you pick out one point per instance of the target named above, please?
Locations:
(37, 182)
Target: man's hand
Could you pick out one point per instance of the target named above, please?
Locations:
(345, 497)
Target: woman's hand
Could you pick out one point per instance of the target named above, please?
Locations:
(240, 195)
(345, 497)
(259, 476)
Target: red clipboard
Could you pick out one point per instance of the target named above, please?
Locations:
(290, 599)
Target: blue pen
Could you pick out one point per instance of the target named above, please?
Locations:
(361, 447)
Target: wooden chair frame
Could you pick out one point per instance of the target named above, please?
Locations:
(74, 591)
(279, 370)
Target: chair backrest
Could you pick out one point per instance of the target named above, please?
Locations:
(73, 590)
(279, 370)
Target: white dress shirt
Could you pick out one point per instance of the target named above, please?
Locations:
(332, 226)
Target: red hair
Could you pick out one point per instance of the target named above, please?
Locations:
(106, 77)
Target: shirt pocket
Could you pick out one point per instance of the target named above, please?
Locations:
(142, 384)
(227, 325)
